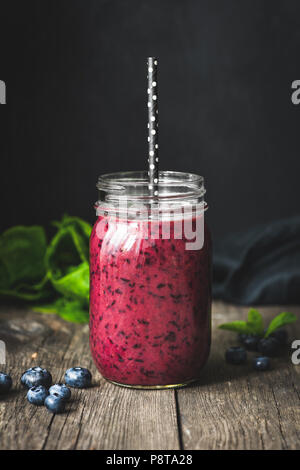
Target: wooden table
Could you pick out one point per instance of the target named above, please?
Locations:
(232, 407)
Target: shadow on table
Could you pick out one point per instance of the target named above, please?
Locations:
(218, 371)
(10, 396)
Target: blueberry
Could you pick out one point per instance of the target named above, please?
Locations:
(5, 382)
(269, 346)
(261, 363)
(280, 335)
(250, 342)
(37, 395)
(236, 355)
(36, 376)
(62, 390)
(242, 337)
(78, 377)
(55, 403)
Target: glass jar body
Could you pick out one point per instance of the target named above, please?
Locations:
(150, 302)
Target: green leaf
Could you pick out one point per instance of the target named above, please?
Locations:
(75, 284)
(22, 255)
(255, 322)
(62, 253)
(253, 326)
(67, 258)
(70, 310)
(22, 263)
(79, 224)
(281, 320)
(81, 232)
(237, 326)
(31, 271)
(41, 290)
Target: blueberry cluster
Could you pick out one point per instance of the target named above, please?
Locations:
(41, 392)
(267, 347)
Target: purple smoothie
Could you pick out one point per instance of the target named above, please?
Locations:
(150, 306)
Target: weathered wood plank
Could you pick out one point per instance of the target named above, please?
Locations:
(118, 418)
(234, 407)
(230, 407)
(102, 417)
(23, 426)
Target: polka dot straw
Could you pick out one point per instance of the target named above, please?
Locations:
(152, 126)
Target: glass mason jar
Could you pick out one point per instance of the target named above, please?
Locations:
(150, 280)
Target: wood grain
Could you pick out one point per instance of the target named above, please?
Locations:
(234, 407)
(229, 408)
(102, 417)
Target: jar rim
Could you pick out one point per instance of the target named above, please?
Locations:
(171, 184)
(127, 193)
(141, 177)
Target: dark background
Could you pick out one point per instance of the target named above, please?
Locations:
(76, 103)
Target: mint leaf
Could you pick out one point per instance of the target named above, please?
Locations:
(253, 326)
(282, 319)
(237, 326)
(69, 310)
(255, 322)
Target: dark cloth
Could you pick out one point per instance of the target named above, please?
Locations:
(260, 266)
